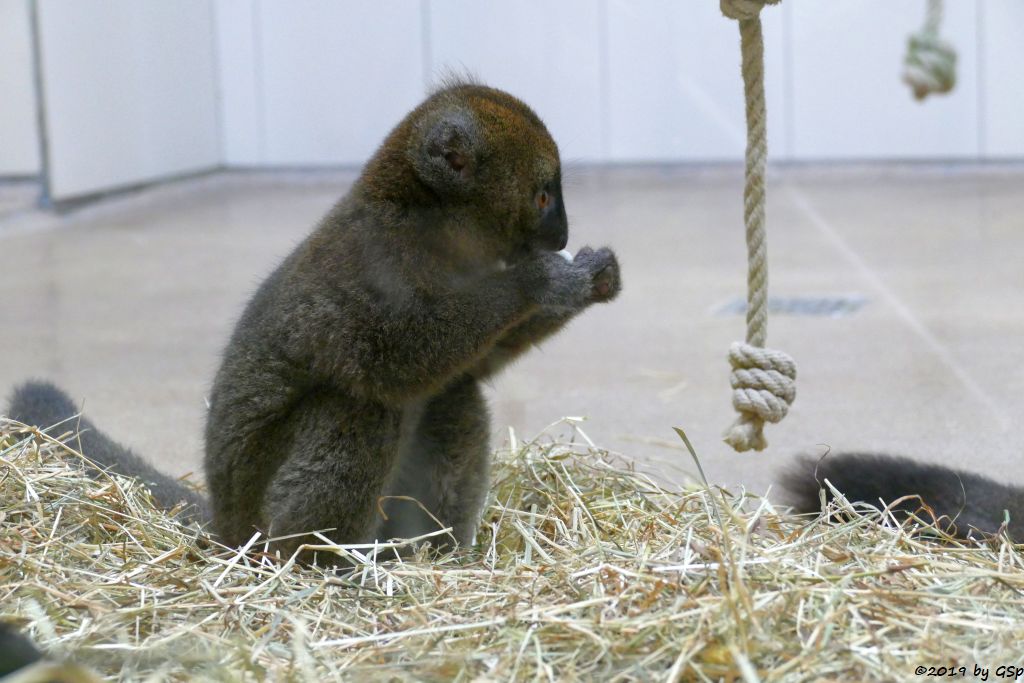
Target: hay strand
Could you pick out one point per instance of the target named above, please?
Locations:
(584, 570)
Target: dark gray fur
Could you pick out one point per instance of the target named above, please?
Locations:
(44, 405)
(352, 378)
(968, 500)
(16, 651)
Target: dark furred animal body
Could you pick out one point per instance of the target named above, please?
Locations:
(21, 662)
(351, 379)
(968, 500)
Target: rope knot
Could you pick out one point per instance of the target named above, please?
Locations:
(764, 385)
(930, 65)
(744, 9)
(762, 379)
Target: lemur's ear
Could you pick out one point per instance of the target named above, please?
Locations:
(445, 148)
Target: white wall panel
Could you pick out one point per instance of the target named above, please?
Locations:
(1002, 83)
(336, 76)
(674, 88)
(547, 53)
(241, 113)
(19, 139)
(130, 91)
(849, 101)
(320, 82)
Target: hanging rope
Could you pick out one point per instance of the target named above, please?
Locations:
(762, 379)
(930, 65)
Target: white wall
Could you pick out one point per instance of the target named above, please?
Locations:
(130, 91)
(138, 91)
(241, 107)
(317, 82)
(675, 89)
(19, 140)
(1002, 131)
(322, 102)
(848, 101)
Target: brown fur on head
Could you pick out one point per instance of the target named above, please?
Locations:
(484, 161)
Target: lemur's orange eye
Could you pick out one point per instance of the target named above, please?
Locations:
(543, 200)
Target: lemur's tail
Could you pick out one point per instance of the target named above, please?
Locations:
(43, 405)
(968, 500)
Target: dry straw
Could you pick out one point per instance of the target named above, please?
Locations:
(584, 570)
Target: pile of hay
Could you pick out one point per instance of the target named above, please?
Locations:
(584, 570)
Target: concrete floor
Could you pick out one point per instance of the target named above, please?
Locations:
(128, 302)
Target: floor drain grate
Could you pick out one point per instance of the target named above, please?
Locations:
(818, 306)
